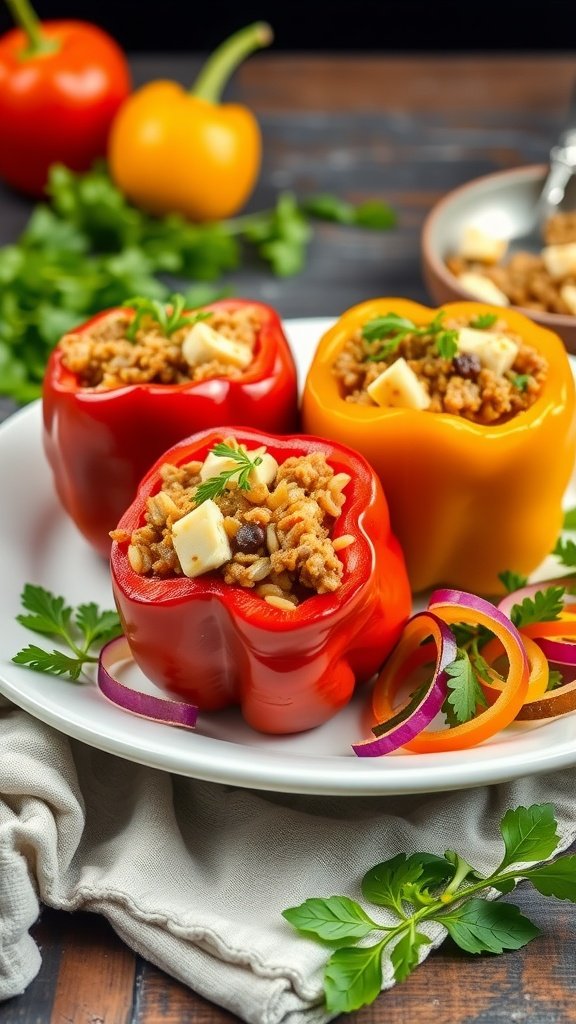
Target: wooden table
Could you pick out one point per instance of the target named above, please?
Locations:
(404, 129)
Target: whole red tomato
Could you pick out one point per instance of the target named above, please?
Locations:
(61, 82)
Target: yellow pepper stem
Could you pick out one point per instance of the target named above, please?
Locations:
(26, 18)
(223, 62)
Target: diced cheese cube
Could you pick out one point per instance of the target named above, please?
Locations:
(202, 344)
(264, 473)
(200, 540)
(399, 387)
(483, 288)
(568, 293)
(560, 260)
(478, 245)
(495, 351)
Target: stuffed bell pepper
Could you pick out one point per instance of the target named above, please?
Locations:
(467, 414)
(132, 381)
(260, 571)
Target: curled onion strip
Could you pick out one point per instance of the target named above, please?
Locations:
(403, 727)
(458, 606)
(517, 596)
(158, 709)
(562, 651)
(539, 670)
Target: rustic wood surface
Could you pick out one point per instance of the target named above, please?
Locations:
(404, 129)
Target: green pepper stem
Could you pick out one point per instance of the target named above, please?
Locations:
(223, 62)
(26, 18)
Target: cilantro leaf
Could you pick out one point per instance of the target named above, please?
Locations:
(465, 694)
(336, 919)
(555, 679)
(545, 606)
(482, 927)
(529, 834)
(447, 344)
(97, 625)
(353, 977)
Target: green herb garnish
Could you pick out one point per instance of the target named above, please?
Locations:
(215, 485)
(484, 320)
(512, 580)
(81, 629)
(465, 695)
(90, 250)
(446, 890)
(393, 329)
(545, 606)
(521, 381)
(569, 519)
(565, 550)
(168, 316)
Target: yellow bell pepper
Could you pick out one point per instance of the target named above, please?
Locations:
(174, 151)
(467, 501)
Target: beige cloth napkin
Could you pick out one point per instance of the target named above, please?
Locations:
(194, 876)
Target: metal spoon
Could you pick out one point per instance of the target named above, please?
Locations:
(562, 165)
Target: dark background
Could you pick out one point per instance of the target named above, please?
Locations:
(384, 26)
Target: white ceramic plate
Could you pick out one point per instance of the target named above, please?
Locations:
(39, 545)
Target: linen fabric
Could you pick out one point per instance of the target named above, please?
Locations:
(194, 876)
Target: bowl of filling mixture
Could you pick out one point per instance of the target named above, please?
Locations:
(469, 252)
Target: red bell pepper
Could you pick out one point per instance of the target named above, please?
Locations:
(61, 84)
(218, 645)
(100, 443)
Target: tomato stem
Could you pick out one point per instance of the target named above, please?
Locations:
(223, 62)
(26, 18)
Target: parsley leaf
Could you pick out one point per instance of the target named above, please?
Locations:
(465, 694)
(565, 550)
(447, 890)
(570, 519)
(484, 320)
(512, 580)
(545, 606)
(168, 316)
(242, 469)
(521, 381)
(555, 679)
(79, 629)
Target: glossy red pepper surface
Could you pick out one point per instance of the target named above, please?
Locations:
(58, 100)
(218, 645)
(100, 443)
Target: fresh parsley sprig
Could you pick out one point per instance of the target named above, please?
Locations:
(483, 321)
(167, 315)
(545, 606)
(421, 888)
(393, 329)
(81, 629)
(242, 469)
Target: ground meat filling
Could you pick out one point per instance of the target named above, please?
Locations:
(280, 533)
(537, 281)
(105, 358)
(460, 385)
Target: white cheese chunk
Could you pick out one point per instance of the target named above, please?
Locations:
(495, 351)
(560, 260)
(202, 344)
(399, 387)
(476, 244)
(568, 293)
(483, 288)
(264, 473)
(200, 540)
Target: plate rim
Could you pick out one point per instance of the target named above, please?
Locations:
(259, 768)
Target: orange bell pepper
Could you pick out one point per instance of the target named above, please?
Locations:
(467, 500)
(173, 151)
